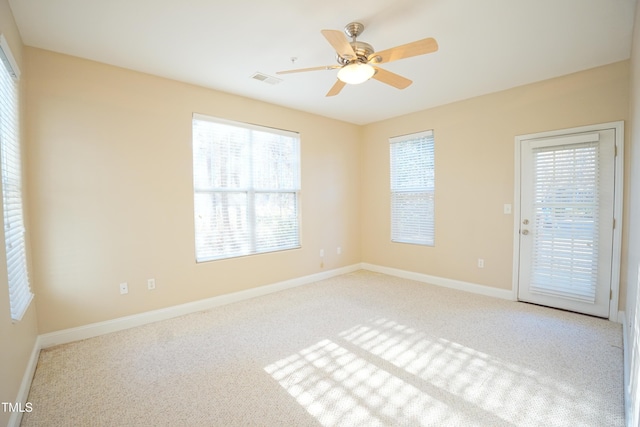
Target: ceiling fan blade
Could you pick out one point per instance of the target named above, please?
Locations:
(336, 88)
(390, 78)
(301, 70)
(419, 47)
(339, 41)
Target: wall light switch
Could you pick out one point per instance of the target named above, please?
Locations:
(124, 288)
(507, 209)
(321, 253)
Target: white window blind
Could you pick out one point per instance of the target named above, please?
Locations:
(19, 291)
(246, 188)
(412, 188)
(565, 248)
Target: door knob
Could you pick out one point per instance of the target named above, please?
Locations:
(525, 232)
(525, 222)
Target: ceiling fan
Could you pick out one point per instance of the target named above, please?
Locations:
(357, 60)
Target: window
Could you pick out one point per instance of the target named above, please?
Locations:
(19, 291)
(412, 188)
(246, 188)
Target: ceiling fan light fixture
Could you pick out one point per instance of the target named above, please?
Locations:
(356, 73)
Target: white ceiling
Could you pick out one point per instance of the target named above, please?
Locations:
(485, 46)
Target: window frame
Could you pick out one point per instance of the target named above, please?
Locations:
(251, 192)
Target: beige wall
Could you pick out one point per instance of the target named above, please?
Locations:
(110, 185)
(16, 339)
(474, 151)
(111, 199)
(633, 280)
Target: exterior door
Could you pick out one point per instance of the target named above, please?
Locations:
(567, 221)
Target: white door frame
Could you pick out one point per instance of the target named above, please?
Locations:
(617, 208)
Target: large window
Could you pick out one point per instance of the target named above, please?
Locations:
(19, 291)
(246, 186)
(412, 188)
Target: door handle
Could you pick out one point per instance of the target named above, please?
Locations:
(525, 232)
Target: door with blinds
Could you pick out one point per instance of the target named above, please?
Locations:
(567, 221)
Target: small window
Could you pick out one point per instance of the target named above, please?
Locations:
(11, 161)
(246, 189)
(412, 188)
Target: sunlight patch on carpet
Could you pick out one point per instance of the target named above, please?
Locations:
(381, 371)
(339, 388)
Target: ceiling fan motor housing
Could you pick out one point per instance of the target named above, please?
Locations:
(362, 50)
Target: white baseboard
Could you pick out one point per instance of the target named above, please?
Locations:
(114, 325)
(626, 365)
(620, 317)
(101, 328)
(441, 281)
(25, 385)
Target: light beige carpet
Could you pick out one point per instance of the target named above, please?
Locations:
(363, 349)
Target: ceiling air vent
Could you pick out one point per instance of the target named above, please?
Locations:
(265, 78)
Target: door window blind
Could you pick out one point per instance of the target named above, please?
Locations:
(566, 200)
(246, 189)
(18, 279)
(412, 173)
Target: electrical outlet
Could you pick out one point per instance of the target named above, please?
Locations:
(321, 253)
(124, 288)
(151, 284)
(480, 263)
(339, 250)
